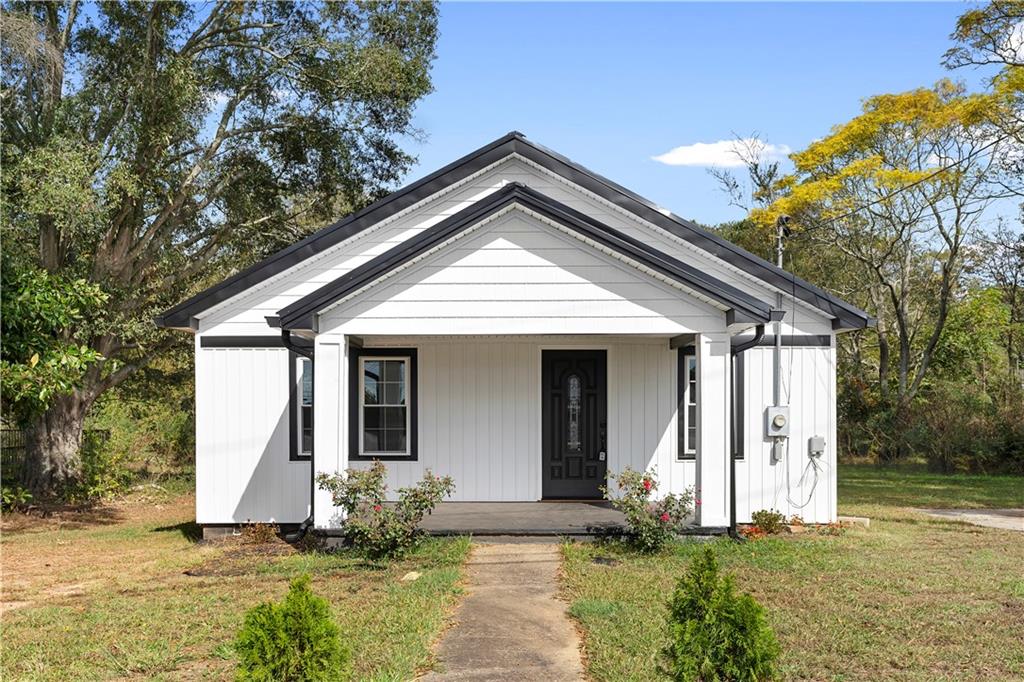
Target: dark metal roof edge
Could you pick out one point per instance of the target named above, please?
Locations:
(716, 245)
(513, 142)
(300, 314)
(336, 232)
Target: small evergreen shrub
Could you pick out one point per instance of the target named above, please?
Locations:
(769, 521)
(715, 633)
(295, 640)
(651, 522)
(378, 529)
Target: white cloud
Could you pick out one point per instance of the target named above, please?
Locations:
(723, 153)
(1012, 50)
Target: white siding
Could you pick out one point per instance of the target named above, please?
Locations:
(245, 314)
(809, 384)
(243, 473)
(480, 411)
(558, 284)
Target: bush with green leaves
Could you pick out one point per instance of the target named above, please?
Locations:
(769, 520)
(295, 640)
(14, 497)
(716, 634)
(651, 522)
(383, 530)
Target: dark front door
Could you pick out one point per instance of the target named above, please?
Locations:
(574, 425)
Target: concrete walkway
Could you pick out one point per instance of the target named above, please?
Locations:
(1007, 519)
(510, 625)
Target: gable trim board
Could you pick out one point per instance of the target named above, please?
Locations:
(738, 306)
(845, 316)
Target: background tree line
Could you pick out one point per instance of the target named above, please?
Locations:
(151, 149)
(893, 210)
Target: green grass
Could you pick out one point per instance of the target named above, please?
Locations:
(109, 598)
(911, 598)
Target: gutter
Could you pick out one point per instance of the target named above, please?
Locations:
(736, 350)
(300, 532)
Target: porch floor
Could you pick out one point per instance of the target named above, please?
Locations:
(524, 518)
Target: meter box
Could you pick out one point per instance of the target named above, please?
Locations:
(777, 421)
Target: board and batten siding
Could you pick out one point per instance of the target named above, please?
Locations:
(243, 471)
(809, 387)
(480, 414)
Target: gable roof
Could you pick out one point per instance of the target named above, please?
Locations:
(846, 316)
(740, 306)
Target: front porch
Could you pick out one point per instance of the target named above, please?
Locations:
(524, 518)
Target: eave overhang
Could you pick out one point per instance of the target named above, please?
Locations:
(845, 316)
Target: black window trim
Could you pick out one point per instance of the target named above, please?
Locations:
(354, 383)
(294, 406)
(681, 382)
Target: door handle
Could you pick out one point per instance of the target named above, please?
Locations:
(601, 456)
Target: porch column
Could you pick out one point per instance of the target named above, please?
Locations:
(330, 379)
(713, 435)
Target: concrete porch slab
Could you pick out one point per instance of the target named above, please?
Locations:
(524, 518)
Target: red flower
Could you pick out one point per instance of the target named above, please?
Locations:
(664, 517)
(647, 484)
(377, 507)
(696, 501)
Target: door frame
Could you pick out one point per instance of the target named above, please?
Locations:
(608, 353)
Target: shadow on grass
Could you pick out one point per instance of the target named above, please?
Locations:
(190, 530)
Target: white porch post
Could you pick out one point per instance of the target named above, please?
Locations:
(713, 435)
(330, 454)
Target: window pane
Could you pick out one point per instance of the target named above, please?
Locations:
(394, 370)
(394, 418)
(394, 441)
(394, 393)
(372, 440)
(691, 438)
(692, 367)
(307, 382)
(373, 417)
(691, 416)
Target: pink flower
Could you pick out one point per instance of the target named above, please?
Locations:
(664, 517)
(647, 484)
(377, 507)
(696, 501)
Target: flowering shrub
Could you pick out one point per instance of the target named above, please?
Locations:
(771, 522)
(379, 529)
(651, 522)
(715, 633)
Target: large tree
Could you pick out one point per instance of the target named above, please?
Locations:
(150, 148)
(899, 191)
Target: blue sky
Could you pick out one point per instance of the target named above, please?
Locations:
(613, 85)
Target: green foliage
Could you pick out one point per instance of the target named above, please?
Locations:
(104, 472)
(14, 497)
(651, 522)
(152, 149)
(715, 633)
(379, 529)
(42, 357)
(295, 640)
(770, 521)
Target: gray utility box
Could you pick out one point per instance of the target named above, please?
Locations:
(776, 421)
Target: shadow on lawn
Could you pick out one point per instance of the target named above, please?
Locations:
(190, 530)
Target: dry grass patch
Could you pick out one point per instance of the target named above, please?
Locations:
(132, 594)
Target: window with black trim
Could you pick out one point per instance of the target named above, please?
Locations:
(687, 395)
(300, 402)
(383, 403)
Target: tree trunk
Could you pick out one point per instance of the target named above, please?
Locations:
(52, 458)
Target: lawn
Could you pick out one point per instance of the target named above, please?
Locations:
(126, 591)
(911, 598)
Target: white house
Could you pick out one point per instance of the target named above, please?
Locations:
(526, 326)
